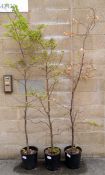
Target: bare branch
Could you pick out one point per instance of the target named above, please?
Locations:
(43, 122)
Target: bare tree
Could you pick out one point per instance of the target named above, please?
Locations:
(75, 72)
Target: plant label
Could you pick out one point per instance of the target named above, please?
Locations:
(68, 155)
(48, 157)
(24, 157)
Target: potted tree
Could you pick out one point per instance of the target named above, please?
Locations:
(29, 42)
(75, 73)
(51, 71)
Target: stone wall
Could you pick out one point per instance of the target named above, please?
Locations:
(90, 94)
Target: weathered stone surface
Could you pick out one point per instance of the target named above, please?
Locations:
(12, 151)
(49, 4)
(1, 45)
(96, 56)
(91, 112)
(89, 4)
(94, 150)
(12, 138)
(90, 137)
(90, 125)
(89, 98)
(9, 126)
(93, 42)
(101, 14)
(10, 46)
(49, 16)
(8, 114)
(89, 85)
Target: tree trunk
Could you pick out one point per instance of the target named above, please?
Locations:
(25, 114)
(72, 128)
(48, 108)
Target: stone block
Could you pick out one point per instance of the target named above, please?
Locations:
(81, 16)
(9, 126)
(100, 12)
(93, 42)
(32, 113)
(64, 85)
(1, 45)
(79, 28)
(93, 150)
(12, 138)
(95, 56)
(17, 74)
(62, 98)
(13, 57)
(1, 59)
(12, 151)
(2, 30)
(10, 46)
(98, 29)
(14, 100)
(2, 102)
(100, 71)
(56, 29)
(89, 4)
(89, 85)
(63, 42)
(89, 137)
(58, 4)
(4, 18)
(89, 98)
(90, 112)
(37, 4)
(90, 125)
(64, 137)
(8, 114)
(101, 85)
(49, 4)
(36, 139)
(34, 126)
(49, 16)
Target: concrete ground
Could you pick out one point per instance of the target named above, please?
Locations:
(89, 166)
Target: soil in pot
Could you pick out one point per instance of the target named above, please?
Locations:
(29, 160)
(52, 158)
(72, 157)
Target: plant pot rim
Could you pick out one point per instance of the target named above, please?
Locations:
(52, 154)
(69, 146)
(32, 148)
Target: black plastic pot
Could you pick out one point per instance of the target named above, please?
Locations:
(72, 160)
(29, 161)
(52, 162)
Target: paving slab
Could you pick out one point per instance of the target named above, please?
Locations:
(89, 166)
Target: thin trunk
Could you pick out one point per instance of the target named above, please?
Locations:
(48, 106)
(72, 128)
(51, 133)
(25, 113)
(72, 117)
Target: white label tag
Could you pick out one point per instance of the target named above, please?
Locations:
(48, 157)
(68, 155)
(24, 157)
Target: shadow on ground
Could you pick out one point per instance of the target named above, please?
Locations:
(41, 170)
